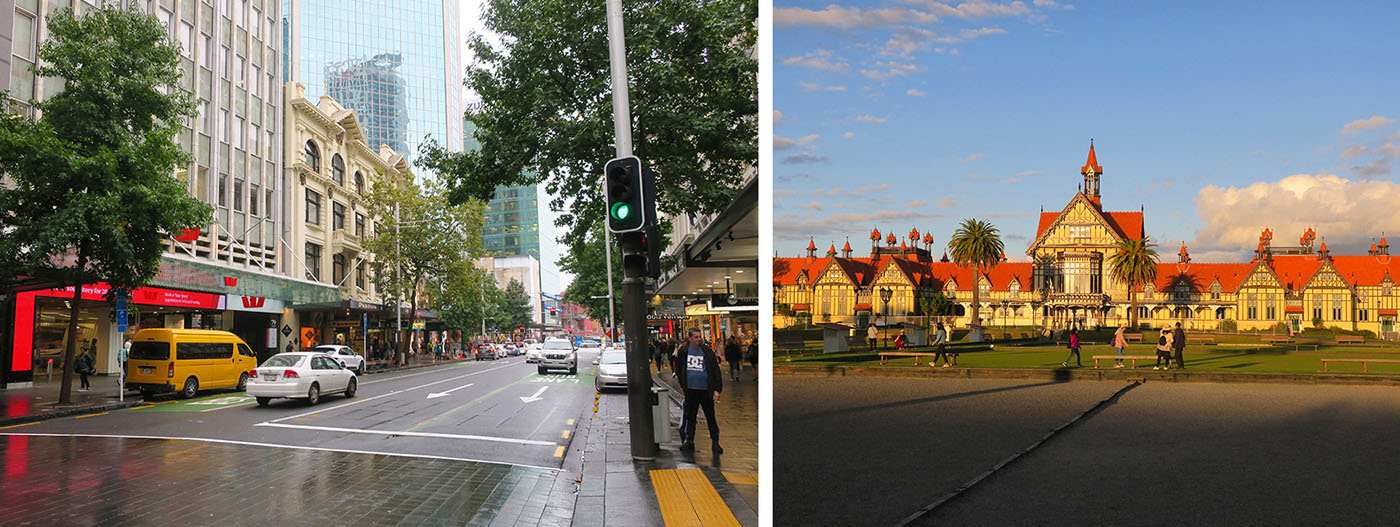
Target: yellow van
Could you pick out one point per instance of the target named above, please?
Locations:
(187, 360)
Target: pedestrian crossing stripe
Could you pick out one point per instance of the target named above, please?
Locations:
(687, 498)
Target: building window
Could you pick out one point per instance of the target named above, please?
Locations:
(253, 195)
(1317, 311)
(337, 268)
(1142, 312)
(338, 170)
(359, 225)
(313, 261)
(1385, 290)
(238, 195)
(1336, 307)
(313, 156)
(360, 276)
(337, 216)
(359, 183)
(268, 210)
(313, 207)
(1362, 316)
(223, 190)
(1252, 307)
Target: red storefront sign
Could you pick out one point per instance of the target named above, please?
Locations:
(20, 359)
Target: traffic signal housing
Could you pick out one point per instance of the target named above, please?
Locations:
(627, 186)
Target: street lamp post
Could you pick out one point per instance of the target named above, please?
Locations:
(885, 294)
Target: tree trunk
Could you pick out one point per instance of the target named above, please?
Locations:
(1132, 301)
(65, 390)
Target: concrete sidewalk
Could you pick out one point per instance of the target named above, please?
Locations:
(677, 488)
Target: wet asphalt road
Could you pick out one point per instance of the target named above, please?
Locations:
(499, 411)
(1179, 454)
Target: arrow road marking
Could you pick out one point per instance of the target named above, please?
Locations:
(535, 397)
(444, 393)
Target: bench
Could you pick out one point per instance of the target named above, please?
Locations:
(1362, 361)
(790, 344)
(884, 355)
(1133, 337)
(1280, 339)
(1133, 358)
(1274, 338)
(1343, 339)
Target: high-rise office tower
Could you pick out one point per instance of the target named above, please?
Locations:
(397, 63)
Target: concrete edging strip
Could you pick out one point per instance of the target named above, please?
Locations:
(950, 495)
(1089, 374)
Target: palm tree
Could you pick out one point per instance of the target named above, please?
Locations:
(1134, 263)
(976, 244)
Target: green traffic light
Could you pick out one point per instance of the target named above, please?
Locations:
(621, 211)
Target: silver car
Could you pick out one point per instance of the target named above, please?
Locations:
(559, 354)
(612, 370)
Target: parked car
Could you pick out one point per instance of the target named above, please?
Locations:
(559, 354)
(590, 345)
(300, 375)
(344, 355)
(612, 370)
(486, 352)
(514, 350)
(187, 360)
(533, 353)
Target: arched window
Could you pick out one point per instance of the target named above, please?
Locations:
(359, 183)
(338, 170)
(313, 156)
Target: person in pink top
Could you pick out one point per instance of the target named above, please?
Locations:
(1121, 343)
(1073, 348)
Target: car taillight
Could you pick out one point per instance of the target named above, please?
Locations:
(252, 373)
(170, 371)
(290, 374)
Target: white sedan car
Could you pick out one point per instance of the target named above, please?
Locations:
(344, 355)
(300, 375)
(612, 370)
(534, 352)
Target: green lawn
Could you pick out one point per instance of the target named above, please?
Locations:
(1214, 358)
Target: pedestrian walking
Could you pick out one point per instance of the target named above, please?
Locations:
(940, 345)
(290, 348)
(1073, 348)
(1121, 343)
(752, 356)
(700, 378)
(1164, 349)
(86, 365)
(734, 355)
(1179, 345)
(872, 335)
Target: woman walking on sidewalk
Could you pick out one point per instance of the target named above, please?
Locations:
(1121, 343)
(734, 357)
(1073, 348)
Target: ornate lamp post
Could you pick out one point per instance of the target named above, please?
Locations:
(1004, 304)
(885, 294)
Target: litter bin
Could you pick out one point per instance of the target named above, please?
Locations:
(661, 414)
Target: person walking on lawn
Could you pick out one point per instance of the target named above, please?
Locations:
(940, 345)
(1164, 349)
(1073, 348)
(872, 335)
(1179, 344)
(1120, 342)
(698, 373)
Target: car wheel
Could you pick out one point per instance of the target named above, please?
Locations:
(313, 395)
(263, 401)
(148, 395)
(542, 370)
(191, 388)
(573, 370)
(243, 382)
(350, 388)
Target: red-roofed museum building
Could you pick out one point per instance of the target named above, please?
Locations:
(1068, 280)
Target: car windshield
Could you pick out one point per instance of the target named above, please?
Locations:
(284, 360)
(557, 345)
(325, 349)
(613, 357)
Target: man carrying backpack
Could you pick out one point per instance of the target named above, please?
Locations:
(1164, 349)
(1179, 345)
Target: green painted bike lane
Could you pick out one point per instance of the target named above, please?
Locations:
(197, 404)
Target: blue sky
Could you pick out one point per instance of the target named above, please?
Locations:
(1218, 118)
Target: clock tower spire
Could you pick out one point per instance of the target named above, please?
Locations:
(1091, 172)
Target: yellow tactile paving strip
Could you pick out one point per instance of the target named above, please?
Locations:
(741, 478)
(688, 499)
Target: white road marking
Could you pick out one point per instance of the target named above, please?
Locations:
(368, 399)
(535, 397)
(406, 433)
(276, 445)
(435, 395)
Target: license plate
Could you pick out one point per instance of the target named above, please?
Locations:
(148, 371)
(269, 377)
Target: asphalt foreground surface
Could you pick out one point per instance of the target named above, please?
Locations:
(1157, 454)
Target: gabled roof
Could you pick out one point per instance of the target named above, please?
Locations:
(1200, 275)
(1126, 224)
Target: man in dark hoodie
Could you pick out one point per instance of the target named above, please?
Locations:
(697, 369)
(1179, 345)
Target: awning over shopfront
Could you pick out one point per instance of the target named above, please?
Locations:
(728, 247)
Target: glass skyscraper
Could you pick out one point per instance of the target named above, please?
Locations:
(512, 223)
(397, 63)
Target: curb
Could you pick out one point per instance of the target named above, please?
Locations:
(69, 412)
(1066, 375)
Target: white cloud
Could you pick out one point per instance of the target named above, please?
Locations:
(1355, 151)
(1363, 125)
(834, 16)
(948, 202)
(973, 8)
(868, 189)
(784, 192)
(783, 143)
(803, 158)
(1011, 181)
(812, 86)
(1346, 212)
(777, 118)
(972, 157)
(1052, 5)
(918, 203)
(821, 60)
(828, 192)
(969, 34)
(916, 93)
(848, 135)
(1028, 173)
(866, 118)
(884, 70)
(811, 206)
(1374, 169)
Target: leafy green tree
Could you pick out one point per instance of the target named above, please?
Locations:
(1134, 263)
(589, 270)
(936, 304)
(463, 304)
(693, 89)
(976, 244)
(432, 241)
(515, 305)
(94, 193)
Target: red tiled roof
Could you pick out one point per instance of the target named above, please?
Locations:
(1127, 224)
(1093, 161)
(1200, 275)
(862, 305)
(1293, 309)
(847, 248)
(812, 245)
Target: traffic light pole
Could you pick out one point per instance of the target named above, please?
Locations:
(639, 392)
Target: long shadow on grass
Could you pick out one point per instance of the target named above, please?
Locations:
(922, 400)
